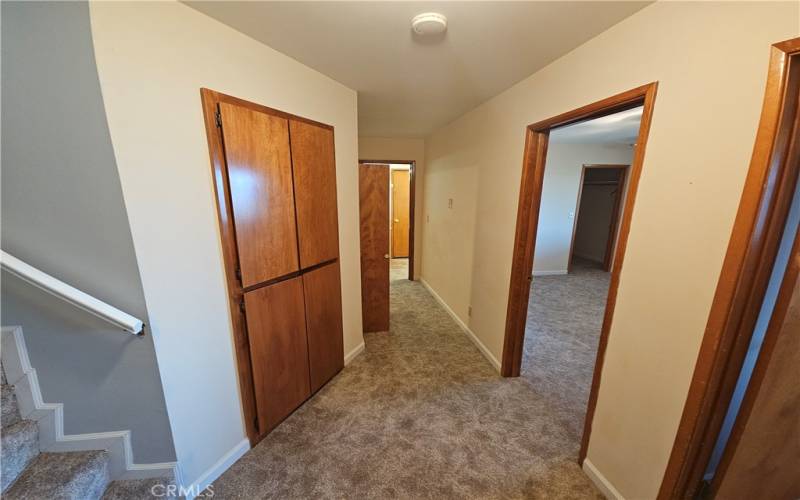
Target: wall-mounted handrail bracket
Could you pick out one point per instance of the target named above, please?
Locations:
(70, 294)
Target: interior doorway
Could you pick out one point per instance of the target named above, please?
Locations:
(399, 219)
(550, 181)
(386, 207)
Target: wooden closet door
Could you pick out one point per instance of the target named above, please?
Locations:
(323, 293)
(401, 189)
(373, 186)
(260, 179)
(314, 167)
(276, 329)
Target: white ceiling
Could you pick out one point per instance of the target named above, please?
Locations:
(618, 128)
(409, 87)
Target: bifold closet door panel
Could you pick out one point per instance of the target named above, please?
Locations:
(314, 167)
(323, 293)
(260, 179)
(276, 329)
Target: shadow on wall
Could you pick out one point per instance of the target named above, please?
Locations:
(63, 212)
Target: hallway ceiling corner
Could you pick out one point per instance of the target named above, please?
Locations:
(409, 87)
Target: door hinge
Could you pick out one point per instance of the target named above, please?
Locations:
(239, 274)
(218, 118)
(255, 423)
(241, 306)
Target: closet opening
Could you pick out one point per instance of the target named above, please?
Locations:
(601, 191)
(386, 207)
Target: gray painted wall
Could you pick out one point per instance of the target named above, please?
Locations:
(63, 212)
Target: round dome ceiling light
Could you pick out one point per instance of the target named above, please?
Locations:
(429, 23)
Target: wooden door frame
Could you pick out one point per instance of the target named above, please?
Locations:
(411, 205)
(612, 229)
(210, 100)
(743, 279)
(533, 165)
(768, 345)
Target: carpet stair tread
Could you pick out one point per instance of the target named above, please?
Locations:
(74, 475)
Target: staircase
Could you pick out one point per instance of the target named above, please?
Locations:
(28, 473)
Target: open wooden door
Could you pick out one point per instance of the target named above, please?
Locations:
(373, 185)
(762, 458)
(401, 188)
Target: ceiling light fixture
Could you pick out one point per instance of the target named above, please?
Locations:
(429, 23)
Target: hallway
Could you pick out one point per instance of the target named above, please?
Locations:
(420, 414)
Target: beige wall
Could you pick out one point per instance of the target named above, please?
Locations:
(152, 60)
(562, 178)
(382, 148)
(710, 61)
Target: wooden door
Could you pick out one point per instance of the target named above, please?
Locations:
(373, 185)
(314, 167)
(762, 458)
(260, 178)
(401, 188)
(276, 329)
(323, 294)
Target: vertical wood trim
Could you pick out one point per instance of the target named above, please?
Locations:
(614, 227)
(750, 254)
(524, 245)
(619, 258)
(412, 208)
(575, 220)
(210, 101)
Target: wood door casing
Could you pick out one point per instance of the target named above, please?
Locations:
(323, 296)
(373, 187)
(400, 212)
(260, 179)
(763, 453)
(276, 328)
(314, 165)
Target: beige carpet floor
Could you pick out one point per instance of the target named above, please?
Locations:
(420, 414)
(565, 315)
(398, 270)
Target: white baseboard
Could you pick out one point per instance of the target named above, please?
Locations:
(50, 416)
(592, 258)
(469, 333)
(350, 356)
(550, 273)
(599, 480)
(192, 490)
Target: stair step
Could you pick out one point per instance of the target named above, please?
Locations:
(8, 406)
(20, 445)
(75, 475)
(142, 489)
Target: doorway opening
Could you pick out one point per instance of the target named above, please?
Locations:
(580, 174)
(399, 220)
(386, 207)
(600, 195)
